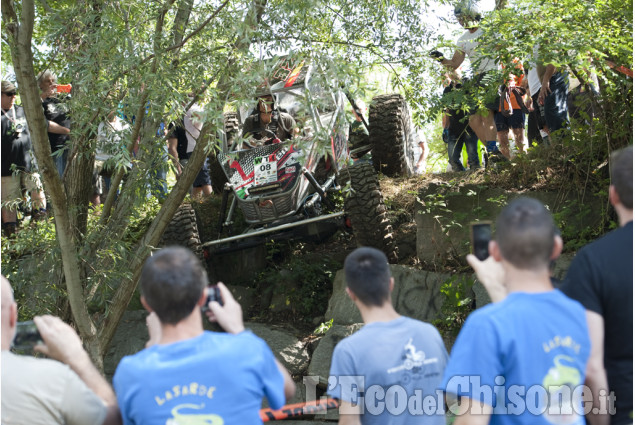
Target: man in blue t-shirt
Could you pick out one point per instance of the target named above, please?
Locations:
(388, 371)
(522, 359)
(186, 374)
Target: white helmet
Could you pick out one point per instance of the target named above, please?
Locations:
(468, 13)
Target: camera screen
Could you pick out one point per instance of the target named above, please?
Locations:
(481, 235)
(26, 336)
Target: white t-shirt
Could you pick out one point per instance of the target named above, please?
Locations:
(468, 43)
(45, 392)
(193, 123)
(110, 137)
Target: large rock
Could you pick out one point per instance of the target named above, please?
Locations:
(416, 294)
(288, 349)
(446, 211)
(130, 337)
(321, 359)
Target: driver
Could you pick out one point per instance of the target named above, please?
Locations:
(268, 124)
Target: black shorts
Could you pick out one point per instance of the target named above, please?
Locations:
(503, 123)
(202, 178)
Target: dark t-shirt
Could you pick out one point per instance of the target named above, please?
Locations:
(458, 119)
(57, 111)
(177, 131)
(601, 278)
(16, 141)
(283, 125)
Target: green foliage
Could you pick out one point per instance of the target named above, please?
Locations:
(457, 303)
(323, 328)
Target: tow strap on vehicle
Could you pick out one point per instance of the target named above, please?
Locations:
(298, 409)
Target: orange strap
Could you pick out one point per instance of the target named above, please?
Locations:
(298, 409)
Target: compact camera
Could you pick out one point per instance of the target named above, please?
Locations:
(480, 235)
(213, 294)
(27, 336)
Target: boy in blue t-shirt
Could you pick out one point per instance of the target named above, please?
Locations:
(521, 360)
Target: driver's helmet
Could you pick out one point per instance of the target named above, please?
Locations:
(467, 13)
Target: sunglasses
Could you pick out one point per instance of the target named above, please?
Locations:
(9, 93)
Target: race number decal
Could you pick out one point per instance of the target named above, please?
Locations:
(265, 170)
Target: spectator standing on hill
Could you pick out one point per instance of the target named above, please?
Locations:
(467, 46)
(391, 354)
(511, 115)
(18, 164)
(601, 278)
(456, 129)
(181, 142)
(57, 114)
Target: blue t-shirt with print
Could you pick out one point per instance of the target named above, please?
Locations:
(214, 378)
(525, 356)
(396, 367)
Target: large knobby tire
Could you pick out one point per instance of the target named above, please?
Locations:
(365, 208)
(183, 231)
(232, 131)
(390, 135)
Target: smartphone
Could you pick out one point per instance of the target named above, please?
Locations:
(480, 235)
(26, 336)
(213, 294)
(64, 88)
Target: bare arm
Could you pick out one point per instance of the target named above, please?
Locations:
(491, 274)
(595, 373)
(289, 385)
(62, 343)
(174, 156)
(545, 90)
(473, 412)
(349, 414)
(55, 128)
(456, 61)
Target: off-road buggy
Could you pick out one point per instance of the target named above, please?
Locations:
(283, 188)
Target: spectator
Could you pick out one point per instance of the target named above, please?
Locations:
(181, 143)
(43, 391)
(521, 359)
(267, 123)
(511, 115)
(111, 139)
(391, 354)
(57, 114)
(456, 130)
(422, 147)
(467, 45)
(552, 97)
(601, 278)
(186, 372)
(537, 130)
(18, 168)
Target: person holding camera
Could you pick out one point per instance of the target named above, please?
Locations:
(18, 164)
(523, 358)
(58, 119)
(67, 390)
(186, 373)
(391, 354)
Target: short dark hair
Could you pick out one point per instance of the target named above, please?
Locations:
(525, 233)
(368, 275)
(172, 281)
(622, 175)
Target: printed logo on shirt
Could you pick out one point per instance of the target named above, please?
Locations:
(179, 418)
(413, 360)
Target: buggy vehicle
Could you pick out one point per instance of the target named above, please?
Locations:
(283, 188)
